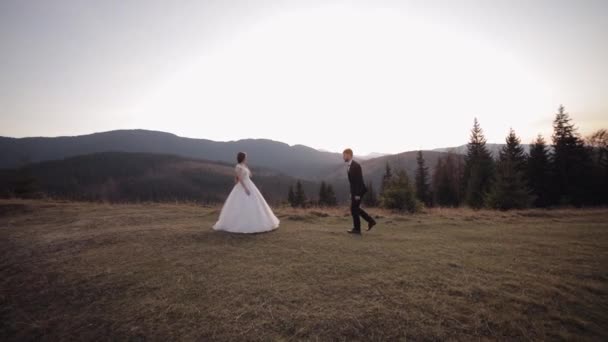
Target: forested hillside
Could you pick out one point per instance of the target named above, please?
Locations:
(121, 177)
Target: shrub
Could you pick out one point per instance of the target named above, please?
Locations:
(399, 194)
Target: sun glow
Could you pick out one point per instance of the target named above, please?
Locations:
(375, 80)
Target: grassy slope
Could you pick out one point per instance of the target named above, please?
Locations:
(90, 271)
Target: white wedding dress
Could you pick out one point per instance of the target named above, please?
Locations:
(244, 213)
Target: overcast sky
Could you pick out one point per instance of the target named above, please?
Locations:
(384, 76)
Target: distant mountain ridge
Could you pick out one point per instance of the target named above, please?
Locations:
(373, 155)
(297, 161)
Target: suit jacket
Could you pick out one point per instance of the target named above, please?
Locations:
(355, 177)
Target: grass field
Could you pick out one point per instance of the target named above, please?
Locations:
(78, 271)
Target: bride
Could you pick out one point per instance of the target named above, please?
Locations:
(245, 210)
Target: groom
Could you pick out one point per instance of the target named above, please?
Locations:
(357, 190)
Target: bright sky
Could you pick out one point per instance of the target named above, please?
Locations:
(385, 76)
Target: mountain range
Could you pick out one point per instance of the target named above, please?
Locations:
(298, 160)
(156, 164)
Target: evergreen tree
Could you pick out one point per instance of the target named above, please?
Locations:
(438, 182)
(386, 178)
(457, 175)
(399, 194)
(478, 169)
(300, 196)
(598, 149)
(370, 199)
(323, 194)
(515, 151)
(509, 190)
(598, 142)
(422, 181)
(571, 162)
(538, 172)
(330, 196)
(447, 180)
(291, 197)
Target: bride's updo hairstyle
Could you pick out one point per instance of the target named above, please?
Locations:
(240, 157)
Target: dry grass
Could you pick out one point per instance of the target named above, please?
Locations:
(75, 271)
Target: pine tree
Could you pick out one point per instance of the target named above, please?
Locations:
(422, 179)
(323, 194)
(399, 194)
(291, 197)
(478, 169)
(437, 182)
(386, 178)
(330, 196)
(370, 199)
(509, 190)
(515, 151)
(598, 142)
(538, 172)
(447, 180)
(571, 162)
(300, 196)
(457, 176)
(598, 149)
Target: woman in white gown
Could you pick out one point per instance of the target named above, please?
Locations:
(245, 210)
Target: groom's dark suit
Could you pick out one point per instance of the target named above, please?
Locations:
(357, 188)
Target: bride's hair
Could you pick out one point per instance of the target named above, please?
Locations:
(240, 157)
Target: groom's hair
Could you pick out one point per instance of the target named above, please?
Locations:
(348, 151)
(240, 157)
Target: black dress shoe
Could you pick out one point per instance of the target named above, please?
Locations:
(354, 231)
(371, 225)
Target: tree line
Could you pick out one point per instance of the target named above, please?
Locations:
(571, 171)
(298, 198)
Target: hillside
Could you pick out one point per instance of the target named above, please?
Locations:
(297, 161)
(119, 177)
(157, 272)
